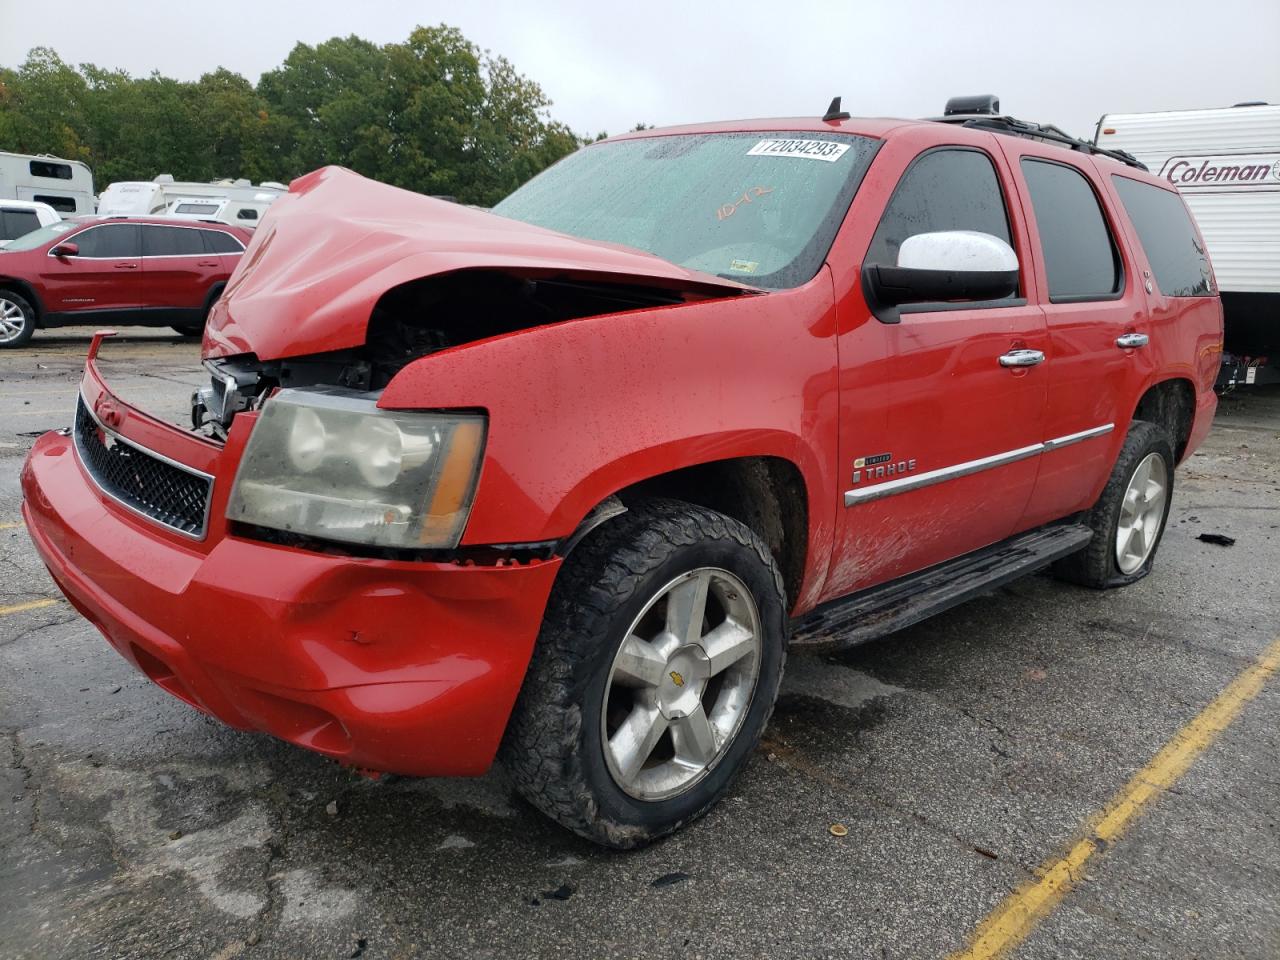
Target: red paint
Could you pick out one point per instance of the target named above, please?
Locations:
(414, 667)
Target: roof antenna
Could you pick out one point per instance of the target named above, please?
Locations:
(834, 112)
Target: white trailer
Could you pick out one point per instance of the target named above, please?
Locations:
(1226, 164)
(65, 185)
(244, 203)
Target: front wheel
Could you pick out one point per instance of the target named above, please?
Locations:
(1129, 518)
(17, 319)
(655, 673)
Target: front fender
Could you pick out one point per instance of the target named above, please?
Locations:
(581, 409)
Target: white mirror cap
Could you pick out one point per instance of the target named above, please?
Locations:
(962, 250)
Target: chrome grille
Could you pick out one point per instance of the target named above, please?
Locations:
(175, 496)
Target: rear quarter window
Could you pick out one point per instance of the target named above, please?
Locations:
(215, 241)
(1168, 238)
(1080, 255)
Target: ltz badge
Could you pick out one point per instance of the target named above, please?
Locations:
(880, 466)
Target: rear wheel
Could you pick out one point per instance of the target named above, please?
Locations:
(655, 673)
(1129, 518)
(17, 319)
(189, 330)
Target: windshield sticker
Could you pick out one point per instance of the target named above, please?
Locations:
(827, 150)
(743, 266)
(729, 209)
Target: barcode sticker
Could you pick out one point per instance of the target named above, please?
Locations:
(827, 150)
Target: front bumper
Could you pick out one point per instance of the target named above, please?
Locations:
(406, 667)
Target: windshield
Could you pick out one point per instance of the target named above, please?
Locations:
(38, 238)
(758, 208)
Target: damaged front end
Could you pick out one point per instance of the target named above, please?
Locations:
(415, 320)
(349, 280)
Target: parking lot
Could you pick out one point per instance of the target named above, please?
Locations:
(963, 756)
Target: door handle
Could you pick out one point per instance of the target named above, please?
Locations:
(126, 266)
(1131, 341)
(208, 263)
(1022, 358)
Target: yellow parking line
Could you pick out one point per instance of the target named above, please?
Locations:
(29, 605)
(34, 413)
(1014, 919)
(10, 525)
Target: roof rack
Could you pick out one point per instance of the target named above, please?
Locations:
(1045, 132)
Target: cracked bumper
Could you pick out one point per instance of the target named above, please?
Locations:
(397, 666)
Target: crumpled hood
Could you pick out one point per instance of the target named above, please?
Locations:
(336, 242)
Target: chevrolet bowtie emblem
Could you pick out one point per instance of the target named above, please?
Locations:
(677, 679)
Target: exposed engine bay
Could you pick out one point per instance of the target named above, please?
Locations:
(418, 319)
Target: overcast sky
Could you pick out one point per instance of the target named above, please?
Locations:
(610, 65)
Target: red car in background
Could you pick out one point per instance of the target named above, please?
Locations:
(118, 270)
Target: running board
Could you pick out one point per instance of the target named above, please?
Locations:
(891, 606)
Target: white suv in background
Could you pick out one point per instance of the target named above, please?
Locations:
(20, 217)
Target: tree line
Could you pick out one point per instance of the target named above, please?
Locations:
(434, 114)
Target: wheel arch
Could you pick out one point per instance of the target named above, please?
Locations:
(766, 493)
(1171, 404)
(27, 292)
(215, 291)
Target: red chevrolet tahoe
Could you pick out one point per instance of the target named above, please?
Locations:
(561, 482)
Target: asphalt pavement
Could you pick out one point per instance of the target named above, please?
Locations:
(960, 756)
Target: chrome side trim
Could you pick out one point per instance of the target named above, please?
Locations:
(1071, 438)
(905, 484)
(84, 465)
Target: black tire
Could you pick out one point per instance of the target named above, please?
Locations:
(1096, 566)
(10, 299)
(189, 330)
(554, 746)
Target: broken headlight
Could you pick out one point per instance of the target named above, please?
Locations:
(327, 463)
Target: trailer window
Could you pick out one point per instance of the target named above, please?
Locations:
(54, 171)
(1079, 254)
(1176, 254)
(200, 209)
(61, 204)
(247, 213)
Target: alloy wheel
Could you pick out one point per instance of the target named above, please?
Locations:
(12, 320)
(681, 684)
(1142, 513)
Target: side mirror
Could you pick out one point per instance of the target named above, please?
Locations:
(945, 267)
(66, 250)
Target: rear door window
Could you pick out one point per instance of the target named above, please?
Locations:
(1176, 255)
(111, 241)
(171, 242)
(1080, 256)
(949, 189)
